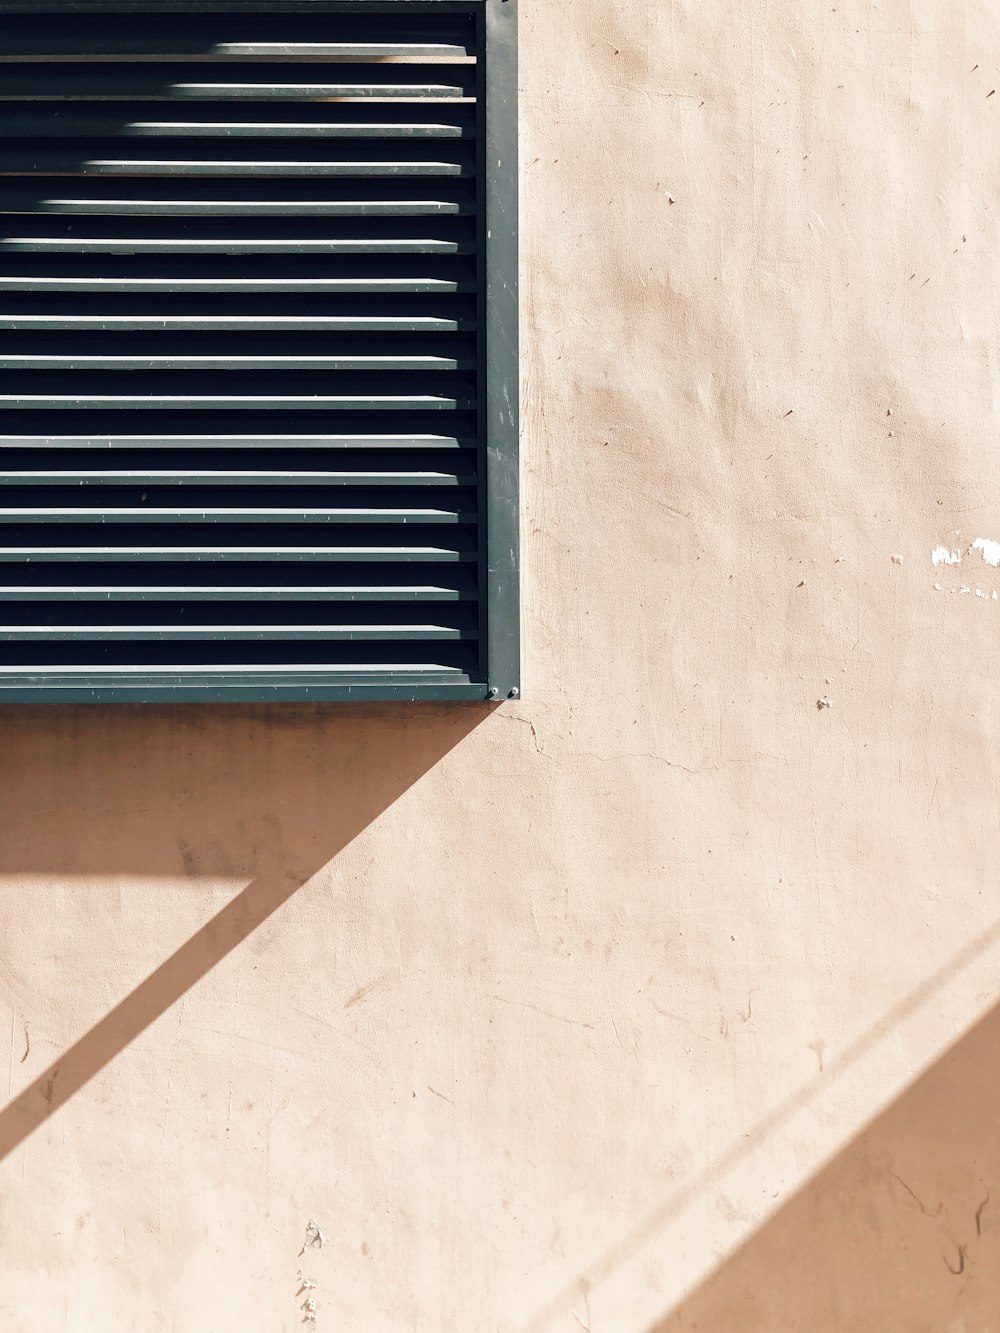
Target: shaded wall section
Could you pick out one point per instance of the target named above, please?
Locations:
(294, 789)
(872, 1241)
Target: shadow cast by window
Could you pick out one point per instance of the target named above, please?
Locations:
(267, 794)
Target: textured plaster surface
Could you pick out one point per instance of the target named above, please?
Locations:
(664, 998)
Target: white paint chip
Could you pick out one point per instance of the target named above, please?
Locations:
(942, 556)
(986, 546)
(988, 549)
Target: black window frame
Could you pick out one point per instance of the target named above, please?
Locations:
(499, 423)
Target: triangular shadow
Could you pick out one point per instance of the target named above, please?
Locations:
(901, 1231)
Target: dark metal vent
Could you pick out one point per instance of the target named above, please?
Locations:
(245, 433)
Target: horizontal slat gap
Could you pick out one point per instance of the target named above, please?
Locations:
(231, 633)
(237, 323)
(181, 167)
(256, 441)
(69, 89)
(338, 668)
(82, 121)
(28, 203)
(236, 129)
(115, 477)
(327, 92)
(233, 361)
(265, 554)
(237, 592)
(262, 81)
(275, 403)
(233, 514)
(402, 53)
(278, 286)
(213, 36)
(209, 245)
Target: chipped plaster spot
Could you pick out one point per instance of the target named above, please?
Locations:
(942, 556)
(990, 550)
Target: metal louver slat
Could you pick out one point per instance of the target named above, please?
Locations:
(257, 350)
(108, 477)
(176, 82)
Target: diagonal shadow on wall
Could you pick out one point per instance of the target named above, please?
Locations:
(269, 794)
(901, 1231)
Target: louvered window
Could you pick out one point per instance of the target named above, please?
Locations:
(258, 350)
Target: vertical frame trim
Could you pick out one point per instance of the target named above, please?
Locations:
(500, 413)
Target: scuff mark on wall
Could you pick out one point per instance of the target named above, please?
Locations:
(363, 992)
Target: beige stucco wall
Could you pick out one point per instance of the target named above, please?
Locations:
(662, 1000)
